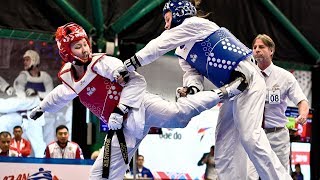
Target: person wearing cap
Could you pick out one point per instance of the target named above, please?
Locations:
(31, 81)
(119, 99)
(205, 49)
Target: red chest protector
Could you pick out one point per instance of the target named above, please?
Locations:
(97, 93)
(101, 96)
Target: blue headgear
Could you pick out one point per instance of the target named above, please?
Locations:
(181, 9)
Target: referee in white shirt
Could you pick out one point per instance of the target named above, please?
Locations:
(281, 84)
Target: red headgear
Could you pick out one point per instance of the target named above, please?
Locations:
(67, 34)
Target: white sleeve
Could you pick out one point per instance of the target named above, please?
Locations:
(48, 84)
(14, 104)
(133, 92)
(57, 98)
(295, 93)
(106, 65)
(19, 84)
(193, 29)
(191, 76)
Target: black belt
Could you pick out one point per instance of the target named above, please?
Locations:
(271, 130)
(107, 151)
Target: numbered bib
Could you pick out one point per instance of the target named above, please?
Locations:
(274, 96)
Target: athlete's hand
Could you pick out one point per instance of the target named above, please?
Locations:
(36, 113)
(184, 91)
(121, 75)
(10, 91)
(120, 80)
(115, 121)
(181, 92)
(31, 92)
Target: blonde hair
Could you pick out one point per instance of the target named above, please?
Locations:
(266, 40)
(200, 13)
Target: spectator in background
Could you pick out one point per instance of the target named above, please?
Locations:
(281, 86)
(297, 175)
(19, 144)
(5, 138)
(208, 159)
(142, 172)
(33, 83)
(63, 148)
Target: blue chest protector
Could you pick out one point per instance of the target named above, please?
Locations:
(216, 56)
(38, 86)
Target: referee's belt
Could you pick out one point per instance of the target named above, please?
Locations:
(271, 130)
(107, 150)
